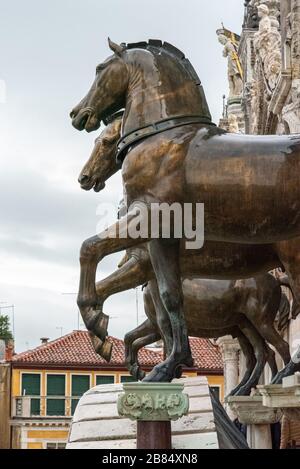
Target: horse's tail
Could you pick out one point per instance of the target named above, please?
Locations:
(284, 282)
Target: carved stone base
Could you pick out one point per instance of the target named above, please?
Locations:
(251, 412)
(282, 396)
(153, 401)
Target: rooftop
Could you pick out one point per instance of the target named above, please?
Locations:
(76, 350)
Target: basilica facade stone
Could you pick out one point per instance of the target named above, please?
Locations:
(269, 56)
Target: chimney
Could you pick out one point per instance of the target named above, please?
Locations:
(10, 350)
(44, 340)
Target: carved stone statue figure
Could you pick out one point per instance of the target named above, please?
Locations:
(233, 125)
(267, 44)
(234, 72)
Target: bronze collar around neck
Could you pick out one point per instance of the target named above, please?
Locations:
(141, 133)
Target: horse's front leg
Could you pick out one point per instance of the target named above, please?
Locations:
(164, 256)
(93, 250)
(131, 274)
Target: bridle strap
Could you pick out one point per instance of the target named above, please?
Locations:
(141, 133)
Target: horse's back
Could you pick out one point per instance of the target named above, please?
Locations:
(249, 184)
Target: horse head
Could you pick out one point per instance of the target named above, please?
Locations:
(101, 165)
(106, 95)
(151, 80)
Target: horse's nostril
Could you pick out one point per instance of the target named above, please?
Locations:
(83, 179)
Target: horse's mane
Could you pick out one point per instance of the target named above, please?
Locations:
(156, 46)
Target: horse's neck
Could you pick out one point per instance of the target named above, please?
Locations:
(150, 97)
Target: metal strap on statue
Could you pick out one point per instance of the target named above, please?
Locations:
(141, 133)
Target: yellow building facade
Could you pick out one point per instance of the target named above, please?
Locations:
(44, 395)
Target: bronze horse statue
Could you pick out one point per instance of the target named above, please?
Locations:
(136, 269)
(173, 153)
(214, 308)
(245, 309)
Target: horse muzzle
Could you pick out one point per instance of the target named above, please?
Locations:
(85, 119)
(87, 183)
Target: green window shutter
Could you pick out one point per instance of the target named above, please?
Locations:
(80, 384)
(56, 387)
(127, 379)
(31, 386)
(105, 379)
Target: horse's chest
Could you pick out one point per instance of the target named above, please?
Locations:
(154, 171)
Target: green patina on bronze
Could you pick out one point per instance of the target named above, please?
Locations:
(153, 401)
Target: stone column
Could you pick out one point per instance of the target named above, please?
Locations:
(230, 353)
(251, 412)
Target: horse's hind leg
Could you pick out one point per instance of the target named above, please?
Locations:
(250, 358)
(269, 333)
(289, 254)
(260, 351)
(272, 361)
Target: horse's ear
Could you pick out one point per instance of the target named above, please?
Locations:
(115, 47)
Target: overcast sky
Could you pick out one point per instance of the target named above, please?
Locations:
(48, 53)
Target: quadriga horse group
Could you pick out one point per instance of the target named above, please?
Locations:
(169, 151)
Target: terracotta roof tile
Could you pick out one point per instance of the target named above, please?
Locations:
(75, 349)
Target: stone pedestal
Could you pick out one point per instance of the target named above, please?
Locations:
(153, 406)
(285, 396)
(251, 412)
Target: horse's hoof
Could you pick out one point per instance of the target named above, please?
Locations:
(158, 375)
(100, 325)
(178, 372)
(106, 350)
(243, 391)
(136, 372)
(97, 343)
(140, 374)
(289, 370)
(188, 361)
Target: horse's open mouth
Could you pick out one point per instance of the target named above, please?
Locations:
(92, 184)
(85, 119)
(99, 186)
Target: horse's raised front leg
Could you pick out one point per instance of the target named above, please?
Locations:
(93, 250)
(135, 369)
(164, 256)
(131, 275)
(145, 329)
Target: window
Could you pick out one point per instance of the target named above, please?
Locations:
(216, 391)
(55, 445)
(31, 386)
(128, 379)
(80, 384)
(55, 387)
(105, 379)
